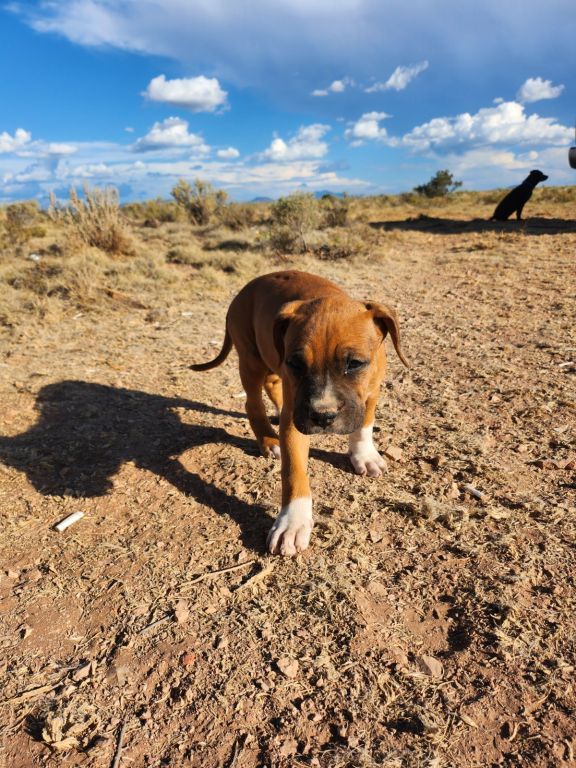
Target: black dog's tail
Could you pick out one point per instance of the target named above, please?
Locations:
(219, 359)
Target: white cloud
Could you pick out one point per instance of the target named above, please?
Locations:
(231, 153)
(91, 171)
(400, 78)
(14, 143)
(490, 167)
(307, 144)
(536, 89)
(199, 94)
(291, 41)
(171, 133)
(59, 148)
(367, 128)
(506, 123)
(337, 86)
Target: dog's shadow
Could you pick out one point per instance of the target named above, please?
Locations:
(85, 432)
(439, 226)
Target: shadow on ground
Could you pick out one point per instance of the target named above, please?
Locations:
(85, 432)
(422, 223)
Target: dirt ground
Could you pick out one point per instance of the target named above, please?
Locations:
(432, 621)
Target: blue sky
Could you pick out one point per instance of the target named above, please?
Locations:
(265, 97)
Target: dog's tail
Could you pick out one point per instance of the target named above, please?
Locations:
(219, 359)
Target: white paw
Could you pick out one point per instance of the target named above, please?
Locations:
(368, 463)
(275, 451)
(292, 528)
(364, 457)
(270, 449)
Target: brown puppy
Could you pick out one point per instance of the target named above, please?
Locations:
(320, 357)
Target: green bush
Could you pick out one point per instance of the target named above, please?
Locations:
(238, 216)
(200, 201)
(21, 222)
(340, 246)
(293, 218)
(334, 211)
(440, 185)
(95, 220)
(153, 211)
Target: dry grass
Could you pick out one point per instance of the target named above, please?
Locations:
(94, 220)
(425, 627)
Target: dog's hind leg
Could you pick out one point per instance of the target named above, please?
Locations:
(273, 388)
(253, 375)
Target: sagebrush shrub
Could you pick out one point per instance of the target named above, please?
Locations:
(21, 222)
(95, 219)
(200, 201)
(293, 218)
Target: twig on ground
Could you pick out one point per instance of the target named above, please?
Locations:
(32, 693)
(258, 577)
(119, 745)
(155, 623)
(209, 574)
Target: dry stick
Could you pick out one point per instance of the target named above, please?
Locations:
(260, 576)
(155, 623)
(119, 746)
(31, 694)
(208, 574)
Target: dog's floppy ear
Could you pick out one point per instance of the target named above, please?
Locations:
(387, 321)
(281, 323)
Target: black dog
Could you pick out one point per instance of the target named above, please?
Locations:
(517, 198)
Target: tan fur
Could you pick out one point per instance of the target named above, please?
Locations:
(287, 316)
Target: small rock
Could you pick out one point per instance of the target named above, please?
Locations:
(82, 672)
(430, 666)
(399, 656)
(544, 464)
(25, 631)
(181, 612)
(12, 574)
(378, 589)
(375, 536)
(394, 452)
(288, 667)
(454, 492)
(34, 574)
(289, 748)
(118, 674)
(188, 658)
(431, 509)
(473, 491)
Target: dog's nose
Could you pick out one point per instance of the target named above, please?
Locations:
(323, 418)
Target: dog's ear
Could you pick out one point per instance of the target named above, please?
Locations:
(281, 323)
(387, 321)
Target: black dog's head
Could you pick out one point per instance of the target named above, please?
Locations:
(536, 177)
(333, 359)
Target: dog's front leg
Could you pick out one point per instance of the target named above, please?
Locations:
(363, 454)
(293, 526)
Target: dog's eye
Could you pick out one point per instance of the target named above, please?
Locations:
(296, 363)
(353, 365)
